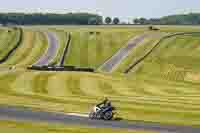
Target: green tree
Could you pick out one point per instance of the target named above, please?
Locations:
(143, 21)
(108, 20)
(116, 21)
(136, 21)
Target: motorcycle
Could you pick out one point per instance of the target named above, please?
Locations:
(102, 113)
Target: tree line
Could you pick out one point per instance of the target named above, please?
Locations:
(92, 19)
(183, 19)
(50, 19)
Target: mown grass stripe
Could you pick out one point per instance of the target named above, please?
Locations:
(24, 87)
(40, 82)
(23, 50)
(39, 47)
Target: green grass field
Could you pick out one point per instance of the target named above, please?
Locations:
(141, 99)
(163, 88)
(175, 59)
(30, 50)
(9, 38)
(91, 47)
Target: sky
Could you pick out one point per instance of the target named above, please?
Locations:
(125, 9)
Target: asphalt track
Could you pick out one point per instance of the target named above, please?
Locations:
(115, 60)
(27, 114)
(51, 51)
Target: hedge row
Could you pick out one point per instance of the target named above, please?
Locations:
(156, 45)
(66, 50)
(16, 46)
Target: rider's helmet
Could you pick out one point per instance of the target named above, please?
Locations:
(109, 103)
(105, 100)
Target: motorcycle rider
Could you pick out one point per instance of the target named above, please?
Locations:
(104, 104)
(103, 110)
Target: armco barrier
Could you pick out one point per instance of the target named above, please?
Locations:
(66, 50)
(60, 68)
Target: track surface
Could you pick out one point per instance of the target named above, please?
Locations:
(51, 51)
(115, 60)
(26, 114)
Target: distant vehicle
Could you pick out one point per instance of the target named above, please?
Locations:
(152, 28)
(103, 111)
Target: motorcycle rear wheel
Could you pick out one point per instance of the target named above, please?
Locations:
(108, 116)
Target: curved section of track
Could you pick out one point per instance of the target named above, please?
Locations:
(115, 60)
(26, 114)
(51, 51)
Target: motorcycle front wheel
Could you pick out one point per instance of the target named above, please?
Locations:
(92, 115)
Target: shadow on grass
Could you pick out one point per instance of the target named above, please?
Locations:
(117, 119)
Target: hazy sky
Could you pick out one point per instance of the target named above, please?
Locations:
(123, 8)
